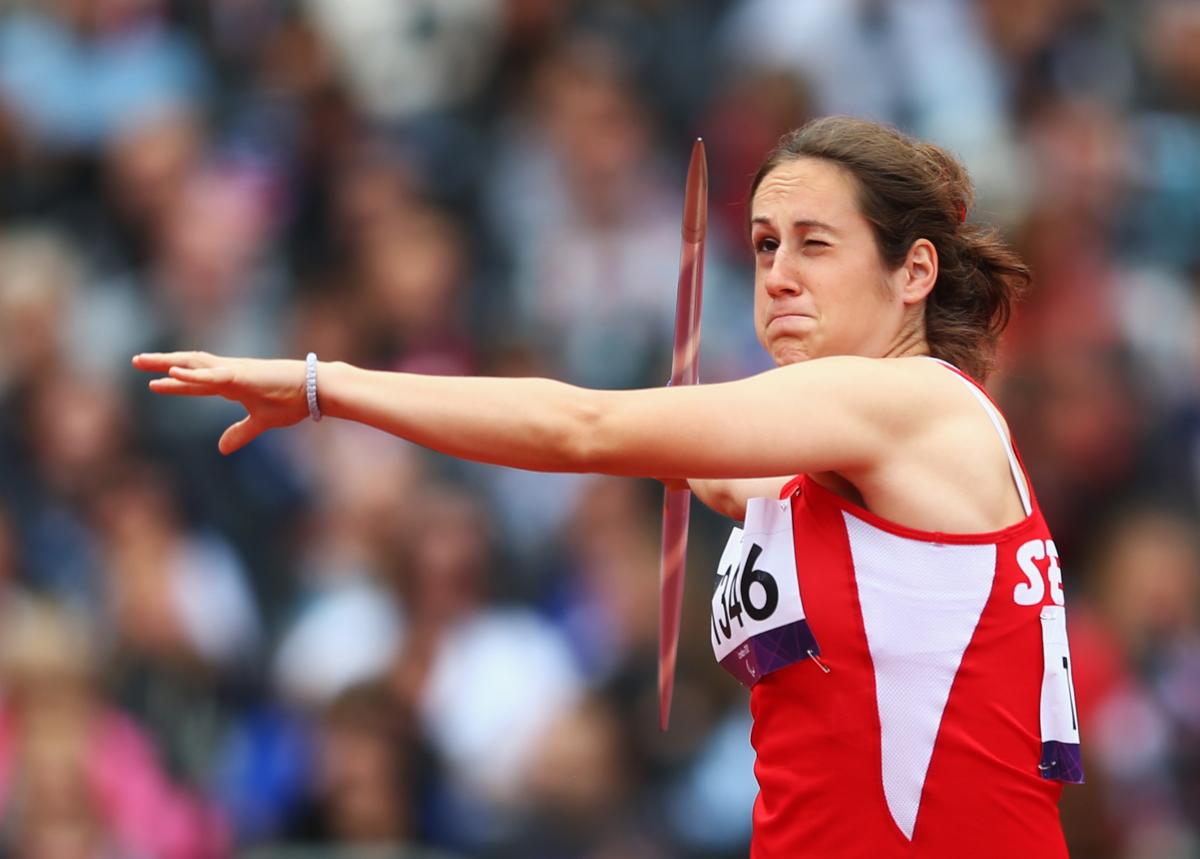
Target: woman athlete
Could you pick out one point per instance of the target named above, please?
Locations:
(894, 598)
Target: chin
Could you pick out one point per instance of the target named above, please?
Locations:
(784, 354)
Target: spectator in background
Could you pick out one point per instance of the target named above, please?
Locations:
(411, 69)
(39, 291)
(402, 60)
(598, 816)
(48, 300)
(366, 492)
(416, 297)
(147, 168)
(611, 609)
(362, 784)
(484, 681)
(925, 66)
(208, 276)
(77, 776)
(75, 72)
(591, 232)
(70, 431)
(182, 617)
(1144, 716)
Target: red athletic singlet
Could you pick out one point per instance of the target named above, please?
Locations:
(911, 690)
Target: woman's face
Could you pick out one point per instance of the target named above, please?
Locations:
(820, 286)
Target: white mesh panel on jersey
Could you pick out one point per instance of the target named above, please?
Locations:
(920, 603)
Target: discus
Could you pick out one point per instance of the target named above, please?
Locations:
(685, 370)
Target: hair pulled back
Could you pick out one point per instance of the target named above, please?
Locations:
(909, 190)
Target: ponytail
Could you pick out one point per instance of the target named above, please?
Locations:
(979, 280)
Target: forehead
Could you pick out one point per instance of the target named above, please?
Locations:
(807, 189)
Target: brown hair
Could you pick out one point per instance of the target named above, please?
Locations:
(910, 190)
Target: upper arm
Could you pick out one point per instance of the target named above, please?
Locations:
(840, 414)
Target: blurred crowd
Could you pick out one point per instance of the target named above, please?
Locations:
(334, 639)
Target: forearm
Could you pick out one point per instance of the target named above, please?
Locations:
(535, 424)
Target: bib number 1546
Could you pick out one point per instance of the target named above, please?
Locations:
(744, 590)
(758, 623)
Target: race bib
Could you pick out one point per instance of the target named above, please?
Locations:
(758, 623)
(1059, 717)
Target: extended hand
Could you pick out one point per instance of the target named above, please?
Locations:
(272, 391)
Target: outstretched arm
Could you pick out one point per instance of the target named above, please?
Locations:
(831, 414)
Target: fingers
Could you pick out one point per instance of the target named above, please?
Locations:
(178, 388)
(184, 382)
(212, 376)
(240, 434)
(161, 362)
(200, 374)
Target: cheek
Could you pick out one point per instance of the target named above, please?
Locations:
(872, 288)
(760, 298)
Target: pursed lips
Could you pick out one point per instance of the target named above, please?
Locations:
(790, 314)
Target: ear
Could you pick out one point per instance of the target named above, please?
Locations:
(918, 273)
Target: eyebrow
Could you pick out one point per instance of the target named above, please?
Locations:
(803, 223)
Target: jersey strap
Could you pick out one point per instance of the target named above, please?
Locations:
(1018, 474)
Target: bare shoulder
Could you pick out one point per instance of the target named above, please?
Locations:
(947, 470)
(903, 393)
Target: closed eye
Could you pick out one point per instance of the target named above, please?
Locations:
(816, 243)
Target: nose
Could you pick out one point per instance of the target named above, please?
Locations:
(780, 280)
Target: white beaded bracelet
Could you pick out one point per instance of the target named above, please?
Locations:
(310, 385)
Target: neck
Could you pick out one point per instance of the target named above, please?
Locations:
(909, 341)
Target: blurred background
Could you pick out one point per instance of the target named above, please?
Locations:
(334, 640)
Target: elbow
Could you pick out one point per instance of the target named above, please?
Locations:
(582, 444)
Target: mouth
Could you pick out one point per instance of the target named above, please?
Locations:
(787, 318)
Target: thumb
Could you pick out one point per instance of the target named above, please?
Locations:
(240, 434)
